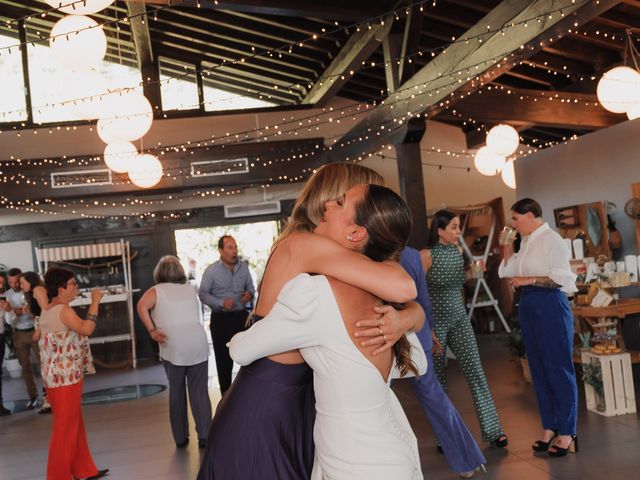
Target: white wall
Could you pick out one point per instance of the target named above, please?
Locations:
(446, 187)
(599, 166)
(17, 254)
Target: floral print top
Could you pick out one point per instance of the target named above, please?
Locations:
(65, 355)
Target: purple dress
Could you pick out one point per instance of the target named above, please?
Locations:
(263, 426)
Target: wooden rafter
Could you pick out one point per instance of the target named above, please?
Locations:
(457, 68)
(358, 48)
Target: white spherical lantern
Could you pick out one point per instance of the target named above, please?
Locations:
(85, 88)
(104, 135)
(503, 139)
(619, 89)
(508, 175)
(488, 162)
(80, 8)
(633, 112)
(127, 117)
(145, 171)
(78, 42)
(120, 156)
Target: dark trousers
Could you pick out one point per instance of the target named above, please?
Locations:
(24, 344)
(1, 360)
(225, 325)
(194, 379)
(547, 331)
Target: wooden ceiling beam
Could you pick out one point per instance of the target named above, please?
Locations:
(457, 69)
(565, 110)
(144, 51)
(352, 10)
(357, 49)
(271, 172)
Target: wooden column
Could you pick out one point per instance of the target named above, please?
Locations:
(411, 181)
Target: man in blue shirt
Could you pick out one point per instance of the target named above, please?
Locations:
(227, 288)
(456, 442)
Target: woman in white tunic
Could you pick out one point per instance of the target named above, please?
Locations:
(361, 431)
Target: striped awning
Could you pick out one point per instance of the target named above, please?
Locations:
(74, 252)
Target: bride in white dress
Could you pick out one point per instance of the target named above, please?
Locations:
(361, 431)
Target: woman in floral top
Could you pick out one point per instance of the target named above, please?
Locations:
(66, 358)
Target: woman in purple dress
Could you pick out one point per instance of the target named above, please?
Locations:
(263, 426)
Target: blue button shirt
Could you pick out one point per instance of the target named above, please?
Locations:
(219, 282)
(410, 261)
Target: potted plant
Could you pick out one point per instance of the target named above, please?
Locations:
(516, 347)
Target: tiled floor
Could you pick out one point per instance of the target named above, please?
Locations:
(133, 438)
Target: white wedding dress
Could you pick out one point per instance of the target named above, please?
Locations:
(361, 431)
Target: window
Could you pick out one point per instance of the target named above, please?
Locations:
(178, 85)
(13, 102)
(52, 83)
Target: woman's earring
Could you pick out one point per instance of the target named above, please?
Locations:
(349, 237)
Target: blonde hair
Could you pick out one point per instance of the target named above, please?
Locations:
(329, 182)
(169, 270)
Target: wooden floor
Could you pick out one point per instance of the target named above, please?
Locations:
(133, 438)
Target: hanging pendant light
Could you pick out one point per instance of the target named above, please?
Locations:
(85, 7)
(145, 171)
(487, 162)
(78, 42)
(619, 89)
(503, 139)
(120, 156)
(508, 174)
(126, 117)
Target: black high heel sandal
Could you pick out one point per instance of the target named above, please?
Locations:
(501, 442)
(562, 452)
(540, 447)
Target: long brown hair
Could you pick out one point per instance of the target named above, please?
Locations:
(387, 219)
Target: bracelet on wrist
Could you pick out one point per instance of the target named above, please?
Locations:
(92, 316)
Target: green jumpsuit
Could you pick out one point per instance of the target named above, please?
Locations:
(445, 280)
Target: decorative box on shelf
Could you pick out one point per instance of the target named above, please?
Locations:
(608, 384)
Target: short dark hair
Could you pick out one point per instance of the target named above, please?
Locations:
(221, 241)
(56, 278)
(527, 205)
(14, 272)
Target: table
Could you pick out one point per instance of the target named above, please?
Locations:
(586, 318)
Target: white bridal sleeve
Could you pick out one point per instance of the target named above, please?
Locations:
(288, 326)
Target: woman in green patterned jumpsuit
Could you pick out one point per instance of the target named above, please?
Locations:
(445, 267)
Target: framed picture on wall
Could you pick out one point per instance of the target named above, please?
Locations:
(567, 217)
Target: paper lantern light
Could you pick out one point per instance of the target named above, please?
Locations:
(145, 171)
(80, 8)
(633, 112)
(87, 86)
(127, 116)
(503, 139)
(619, 89)
(104, 135)
(488, 162)
(78, 42)
(508, 175)
(120, 156)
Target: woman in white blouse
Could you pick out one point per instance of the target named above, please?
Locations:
(541, 269)
(171, 313)
(361, 431)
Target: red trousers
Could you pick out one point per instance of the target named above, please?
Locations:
(69, 454)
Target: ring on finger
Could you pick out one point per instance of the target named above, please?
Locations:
(384, 337)
(380, 322)
(380, 330)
